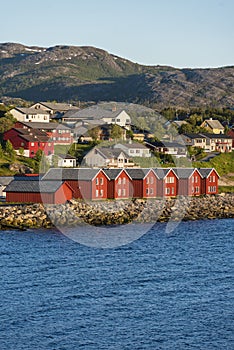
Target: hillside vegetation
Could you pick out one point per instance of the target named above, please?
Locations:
(69, 73)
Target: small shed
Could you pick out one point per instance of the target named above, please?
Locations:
(31, 191)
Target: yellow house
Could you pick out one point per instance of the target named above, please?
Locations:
(213, 126)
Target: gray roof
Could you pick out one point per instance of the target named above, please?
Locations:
(110, 152)
(93, 112)
(112, 174)
(184, 173)
(66, 156)
(58, 106)
(5, 180)
(135, 174)
(161, 172)
(41, 125)
(33, 186)
(30, 111)
(205, 172)
(133, 145)
(70, 174)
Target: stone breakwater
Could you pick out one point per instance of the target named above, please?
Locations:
(116, 212)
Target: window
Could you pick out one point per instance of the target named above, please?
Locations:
(151, 179)
(147, 191)
(170, 180)
(151, 191)
(197, 189)
(101, 193)
(123, 192)
(96, 193)
(196, 179)
(97, 181)
(172, 190)
(119, 181)
(211, 188)
(167, 190)
(118, 120)
(212, 178)
(22, 144)
(147, 180)
(124, 181)
(101, 181)
(192, 179)
(119, 192)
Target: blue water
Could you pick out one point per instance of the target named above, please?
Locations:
(159, 292)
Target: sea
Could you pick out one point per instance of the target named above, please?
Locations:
(164, 289)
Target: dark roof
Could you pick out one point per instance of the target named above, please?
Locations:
(205, 172)
(33, 135)
(165, 144)
(161, 173)
(70, 174)
(40, 125)
(112, 174)
(194, 136)
(33, 186)
(66, 156)
(184, 173)
(135, 174)
(216, 136)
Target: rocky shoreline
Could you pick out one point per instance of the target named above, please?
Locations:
(26, 216)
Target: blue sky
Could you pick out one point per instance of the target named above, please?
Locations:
(180, 33)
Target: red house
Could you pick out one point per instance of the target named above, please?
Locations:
(59, 134)
(86, 183)
(32, 191)
(189, 181)
(119, 182)
(29, 140)
(209, 181)
(143, 183)
(167, 182)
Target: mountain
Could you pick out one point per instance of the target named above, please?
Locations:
(71, 73)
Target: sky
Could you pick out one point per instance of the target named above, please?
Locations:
(179, 33)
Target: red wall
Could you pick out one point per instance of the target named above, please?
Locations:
(63, 194)
(99, 186)
(207, 184)
(14, 137)
(194, 182)
(123, 187)
(150, 183)
(170, 186)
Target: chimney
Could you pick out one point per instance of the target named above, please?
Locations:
(114, 108)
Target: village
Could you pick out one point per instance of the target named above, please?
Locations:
(119, 162)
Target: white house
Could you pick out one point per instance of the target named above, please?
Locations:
(30, 115)
(134, 149)
(107, 157)
(62, 160)
(96, 112)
